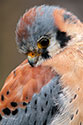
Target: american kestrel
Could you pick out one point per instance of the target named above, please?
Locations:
(50, 89)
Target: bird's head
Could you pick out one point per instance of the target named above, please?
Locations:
(38, 35)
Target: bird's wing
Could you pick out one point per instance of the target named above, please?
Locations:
(18, 91)
(42, 107)
(21, 84)
(30, 96)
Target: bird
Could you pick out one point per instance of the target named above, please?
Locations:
(46, 88)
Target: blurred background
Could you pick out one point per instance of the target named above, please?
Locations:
(10, 12)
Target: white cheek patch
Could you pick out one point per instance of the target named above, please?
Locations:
(53, 47)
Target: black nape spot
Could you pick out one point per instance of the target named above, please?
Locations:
(26, 110)
(67, 16)
(2, 97)
(15, 112)
(80, 123)
(35, 123)
(62, 38)
(6, 111)
(70, 100)
(35, 102)
(77, 111)
(24, 103)
(75, 96)
(7, 93)
(13, 104)
(72, 116)
(45, 122)
(54, 110)
(70, 18)
(0, 117)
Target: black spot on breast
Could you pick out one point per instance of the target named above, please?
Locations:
(72, 116)
(13, 104)
(70, 100)
(2, 97)
(45, 122)
(6, 111)
(75, 96)
(77, 111)
(0, 117)
(7, 93)
(62, 38)
(15, 112)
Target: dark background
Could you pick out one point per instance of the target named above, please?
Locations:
(10, 12)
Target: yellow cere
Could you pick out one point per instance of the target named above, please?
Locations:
(32, 54)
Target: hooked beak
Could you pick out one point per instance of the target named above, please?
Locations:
(33, 58)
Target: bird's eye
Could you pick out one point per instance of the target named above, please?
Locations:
(43, 42)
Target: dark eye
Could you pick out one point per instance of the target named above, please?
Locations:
(43, 42)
